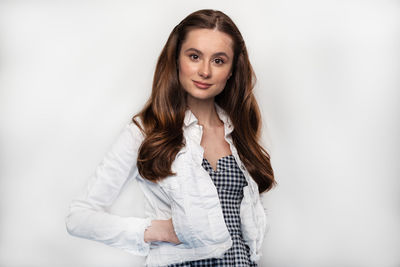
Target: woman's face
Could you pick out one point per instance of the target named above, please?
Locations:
(205, 63)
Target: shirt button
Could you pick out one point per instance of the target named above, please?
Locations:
(242, 166)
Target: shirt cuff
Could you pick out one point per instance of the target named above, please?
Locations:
(142, 248)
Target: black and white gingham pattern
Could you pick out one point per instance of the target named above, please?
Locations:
(229, 181)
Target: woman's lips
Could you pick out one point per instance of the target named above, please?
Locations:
(201, 85)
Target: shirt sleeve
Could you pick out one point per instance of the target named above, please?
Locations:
(88, 215)
(264, 223)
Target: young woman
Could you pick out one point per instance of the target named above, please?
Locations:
(194, 151)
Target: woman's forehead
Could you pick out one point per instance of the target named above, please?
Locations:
(208, 41)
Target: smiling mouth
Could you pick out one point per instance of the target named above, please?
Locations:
(202, 85)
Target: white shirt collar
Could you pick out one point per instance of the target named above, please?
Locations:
(191, 118)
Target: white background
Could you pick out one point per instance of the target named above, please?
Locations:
(72, 73)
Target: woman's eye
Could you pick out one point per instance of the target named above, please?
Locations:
(219, 61)
(194, 56)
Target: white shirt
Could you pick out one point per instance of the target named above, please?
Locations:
(190, 198)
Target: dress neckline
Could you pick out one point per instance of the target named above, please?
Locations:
(218, 162)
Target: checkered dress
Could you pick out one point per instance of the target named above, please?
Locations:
(229, 181)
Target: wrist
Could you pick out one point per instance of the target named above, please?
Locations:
(148, 233)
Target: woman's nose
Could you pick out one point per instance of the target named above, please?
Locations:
(205, 70)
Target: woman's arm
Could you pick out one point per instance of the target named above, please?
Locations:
(88, 216)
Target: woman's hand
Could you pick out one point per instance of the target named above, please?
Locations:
(161, 230)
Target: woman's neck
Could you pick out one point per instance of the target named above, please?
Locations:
(205, 112)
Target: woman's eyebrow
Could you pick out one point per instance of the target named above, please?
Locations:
(199, 52)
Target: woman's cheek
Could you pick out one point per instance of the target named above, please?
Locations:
(190, 68)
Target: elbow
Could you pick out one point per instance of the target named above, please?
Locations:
(73, 223)
(77, 220)
(69, 224)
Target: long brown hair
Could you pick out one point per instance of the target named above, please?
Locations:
(163, 114)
